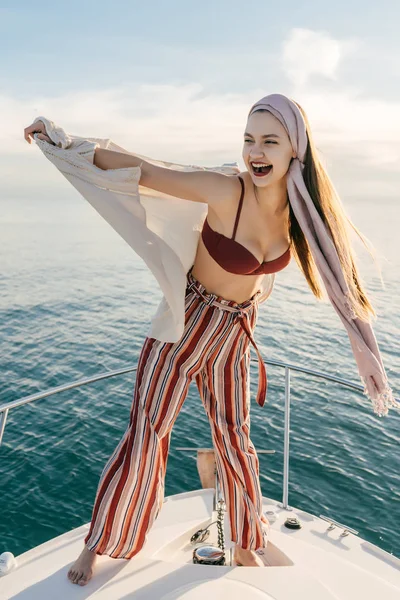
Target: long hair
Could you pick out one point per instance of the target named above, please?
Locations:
(333, 214)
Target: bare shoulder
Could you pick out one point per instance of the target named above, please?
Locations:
(223, 192)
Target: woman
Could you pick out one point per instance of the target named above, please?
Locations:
(255, 222)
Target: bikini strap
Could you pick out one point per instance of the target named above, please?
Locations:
(239, 210)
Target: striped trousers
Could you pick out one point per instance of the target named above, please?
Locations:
(214, 350)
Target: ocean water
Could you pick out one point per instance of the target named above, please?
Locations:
(76, 301)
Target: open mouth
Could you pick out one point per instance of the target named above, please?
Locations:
(261, 170)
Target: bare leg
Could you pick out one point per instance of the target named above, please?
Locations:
(247, 558)
(82, 569)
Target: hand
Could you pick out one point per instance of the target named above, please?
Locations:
(38, 128)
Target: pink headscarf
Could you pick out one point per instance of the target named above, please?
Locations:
(361, 335)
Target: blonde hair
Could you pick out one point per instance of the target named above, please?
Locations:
(332, 212)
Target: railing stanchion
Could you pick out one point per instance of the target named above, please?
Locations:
(285, 496)
(3, 420)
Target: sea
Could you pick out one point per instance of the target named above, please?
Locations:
(76, 302)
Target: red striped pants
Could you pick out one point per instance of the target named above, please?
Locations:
(215, 351)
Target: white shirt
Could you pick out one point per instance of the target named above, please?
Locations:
(163, 230)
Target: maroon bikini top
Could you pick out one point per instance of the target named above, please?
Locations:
(233, 256)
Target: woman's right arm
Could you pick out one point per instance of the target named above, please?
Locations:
(209, 187)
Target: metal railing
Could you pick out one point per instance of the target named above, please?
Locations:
(5, 408)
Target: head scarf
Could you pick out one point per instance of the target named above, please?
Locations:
(361, 335)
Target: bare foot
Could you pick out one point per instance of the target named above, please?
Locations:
(247, 558)
(82, 569)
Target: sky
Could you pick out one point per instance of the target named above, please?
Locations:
(175, 81)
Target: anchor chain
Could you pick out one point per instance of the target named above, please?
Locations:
(220, 524)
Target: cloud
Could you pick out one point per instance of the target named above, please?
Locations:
(356, 135)
(306, 53)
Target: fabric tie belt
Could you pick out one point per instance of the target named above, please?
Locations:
(242, 317)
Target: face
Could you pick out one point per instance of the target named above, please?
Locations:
(275, 150)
